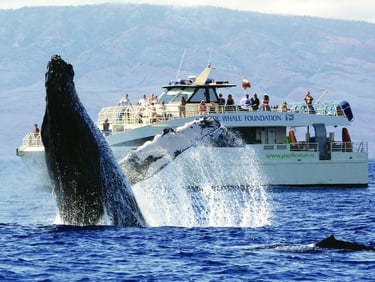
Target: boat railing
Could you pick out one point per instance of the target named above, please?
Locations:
(359, 147)
(123, 118)
(304, 146)
(32, 140)
(336, 146)
(327, 108)
(297, 146)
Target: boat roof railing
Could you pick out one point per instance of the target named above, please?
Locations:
(190, 84)
(331, 108)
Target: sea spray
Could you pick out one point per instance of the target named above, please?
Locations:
(206, 186)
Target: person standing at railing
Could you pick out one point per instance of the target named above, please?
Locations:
(163, 110)
(106, 130)
(254, 102)
(230, 103)
(284, 106)
(122, 104)
(153, 112)
(202, 108)
(212, 107)
(152, 99)
(221, 103)
(143, 102)
(308, 100)
(124, 100)
(245, 102)
(182, 107)
(129, 111)
(266, 103)
(36, 131)
(35, 136)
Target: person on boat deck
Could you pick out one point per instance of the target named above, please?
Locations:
(152, 99)
(254, 102)
(106, 127)
(128, 110)
(212, 107)
(153, 112)
(36, 131)
(143, 102)
(182, 107)
(230, 103)
(139, 112)
(308, 100)
(124, 100)
(202, 108)
(221, 102)
(163, 110)
(245, 102)
(265, 103)
(284, 106)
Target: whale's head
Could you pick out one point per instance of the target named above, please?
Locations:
(154, 155)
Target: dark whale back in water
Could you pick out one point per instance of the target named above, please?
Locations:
(88, 183)
(332, 243)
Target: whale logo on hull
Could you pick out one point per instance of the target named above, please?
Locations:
(153, 156)
(87, 182)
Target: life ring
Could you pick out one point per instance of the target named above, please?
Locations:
(347, 141)
(292, 136)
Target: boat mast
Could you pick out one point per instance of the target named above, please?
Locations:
(321, 96)
(180, 65)
(209, 57)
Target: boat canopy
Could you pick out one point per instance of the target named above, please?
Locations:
(192, 93)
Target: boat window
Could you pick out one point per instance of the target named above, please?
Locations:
(212, 95)
(204, 94)
(173, 95)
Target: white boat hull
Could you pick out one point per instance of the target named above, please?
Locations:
(35, 162)
(240, 167)
(236, 167)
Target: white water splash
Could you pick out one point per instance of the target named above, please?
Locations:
(206, 186)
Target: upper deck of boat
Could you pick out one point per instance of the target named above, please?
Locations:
(167, 109)
(122, 118)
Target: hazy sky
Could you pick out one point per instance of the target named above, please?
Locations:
(363, 10)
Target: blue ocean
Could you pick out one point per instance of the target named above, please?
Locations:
(261, 235)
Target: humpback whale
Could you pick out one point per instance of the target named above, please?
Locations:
(153, 156)
(87, 182)
(332, 243)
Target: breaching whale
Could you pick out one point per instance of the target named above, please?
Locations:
(87, 182)
(153, 156)
(332, 243)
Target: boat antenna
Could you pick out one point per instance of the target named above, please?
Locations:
(180, 65)
(209, 57)
(321, 96)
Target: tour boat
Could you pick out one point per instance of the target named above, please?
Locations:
(285, 145)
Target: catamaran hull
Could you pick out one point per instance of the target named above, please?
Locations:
(240, 167)
(236, 167)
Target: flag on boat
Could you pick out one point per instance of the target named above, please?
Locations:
(245, 84)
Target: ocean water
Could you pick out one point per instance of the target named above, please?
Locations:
(253, 235)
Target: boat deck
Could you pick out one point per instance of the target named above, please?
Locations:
(126, 118)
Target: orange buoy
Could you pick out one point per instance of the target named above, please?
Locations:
(292, 136)
(347, 142)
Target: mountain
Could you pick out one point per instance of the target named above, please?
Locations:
(138, 48)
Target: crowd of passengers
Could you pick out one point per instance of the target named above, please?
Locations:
(149, 107)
